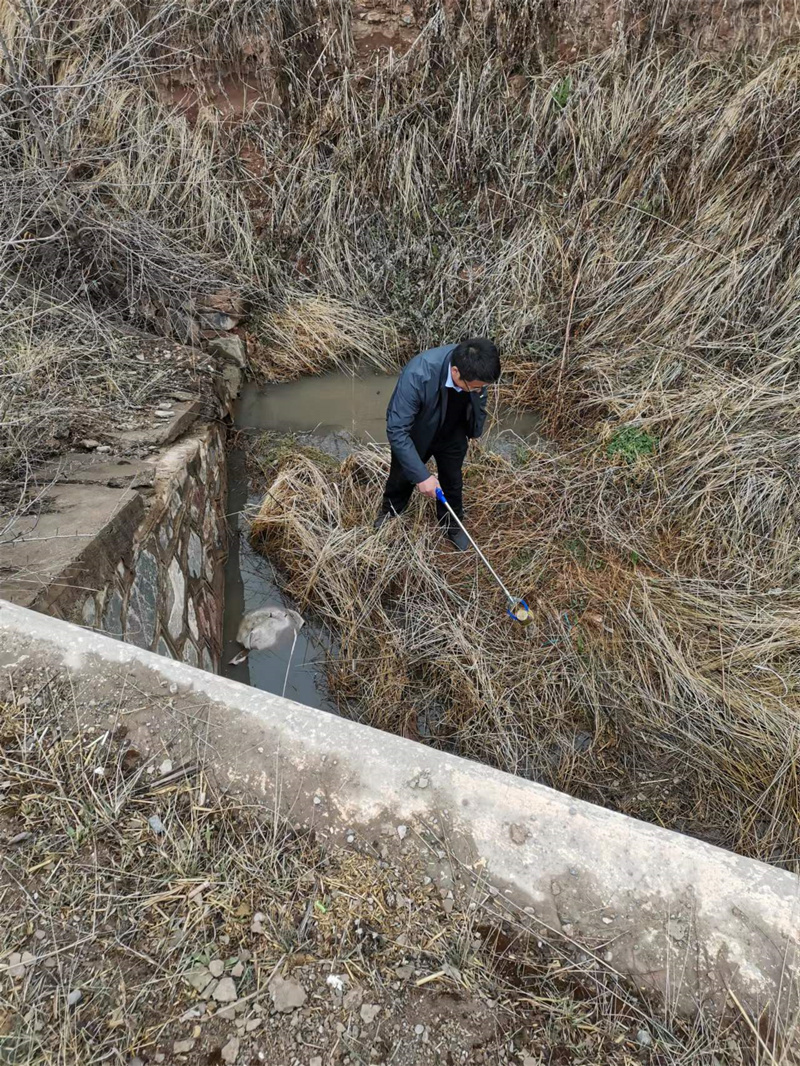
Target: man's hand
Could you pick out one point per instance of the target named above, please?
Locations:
(429, 487)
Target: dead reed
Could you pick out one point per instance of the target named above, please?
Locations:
(626, 227)
(660, 692)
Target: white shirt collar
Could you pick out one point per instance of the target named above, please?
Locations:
(450, 384)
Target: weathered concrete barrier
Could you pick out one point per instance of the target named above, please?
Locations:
(683, 917)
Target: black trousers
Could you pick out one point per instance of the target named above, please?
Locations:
(449, 455)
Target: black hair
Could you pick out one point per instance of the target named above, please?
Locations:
(477, 360)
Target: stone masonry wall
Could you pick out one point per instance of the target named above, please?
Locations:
(167, 590)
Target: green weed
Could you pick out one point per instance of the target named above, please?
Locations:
(560, 95)
(631, 443)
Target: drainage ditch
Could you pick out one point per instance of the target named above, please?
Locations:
(333, 412)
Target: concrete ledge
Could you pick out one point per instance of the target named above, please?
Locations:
(681, 916)
(73, 548)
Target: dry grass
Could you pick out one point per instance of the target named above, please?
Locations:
(309, 334)
(116, 218)
(666, 695)
(626, 227)
(105, 905)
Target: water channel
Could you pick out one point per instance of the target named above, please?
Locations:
(335, 412)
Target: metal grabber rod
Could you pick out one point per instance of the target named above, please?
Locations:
(514, 601)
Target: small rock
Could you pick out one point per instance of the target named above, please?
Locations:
(161, 414)
(677, 929)
(353, 999)
(228, 1013)
(237, 970)
(448, 905)
(401, 831)
(252, 1024)
(231, 1050)
(419, 1029)
(225, 991)
(40, 934)
(16, 968)
(20, 837)
(644, 1038)
(287, 995)
(90, 444)
(199, 979)
(183, 1047)
(156, 824)
(216, 968)
(518, 833)
(369, 1012)
(231, 349)
(405, 972)
(316, 1061)
(50, 962)
(74, 997)
(166, 766)
(104, 449)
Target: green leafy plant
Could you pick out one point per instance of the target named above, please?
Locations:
(560, 94)
(631, 443)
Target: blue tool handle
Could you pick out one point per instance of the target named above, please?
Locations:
(440, 497)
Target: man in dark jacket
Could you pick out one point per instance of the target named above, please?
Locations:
(439, 403)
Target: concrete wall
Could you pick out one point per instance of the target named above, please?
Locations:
(683, 917)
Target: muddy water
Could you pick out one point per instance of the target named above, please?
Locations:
(333, 403)
(250, 583)
(335, 412)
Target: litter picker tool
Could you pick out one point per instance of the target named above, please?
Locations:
(517, 608)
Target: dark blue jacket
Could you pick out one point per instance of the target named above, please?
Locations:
(418, 406)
